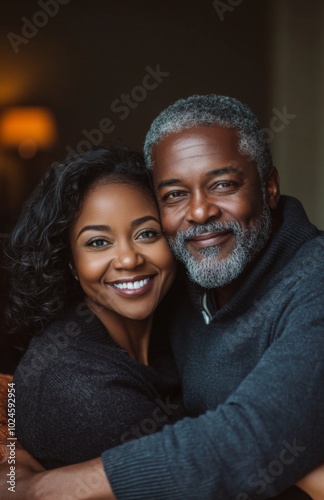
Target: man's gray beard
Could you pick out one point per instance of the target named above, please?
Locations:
(211, 272)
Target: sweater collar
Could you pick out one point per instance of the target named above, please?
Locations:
(294, 231)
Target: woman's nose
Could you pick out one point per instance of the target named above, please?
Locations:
(128, 257)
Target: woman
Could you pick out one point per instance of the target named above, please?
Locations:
(89, 266)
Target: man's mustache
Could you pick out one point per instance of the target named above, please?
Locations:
(209, 227)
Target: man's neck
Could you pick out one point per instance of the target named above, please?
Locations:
(223, 294)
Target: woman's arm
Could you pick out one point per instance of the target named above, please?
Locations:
(87, 480)
(26, 469)
(32, 482)
(313, 483)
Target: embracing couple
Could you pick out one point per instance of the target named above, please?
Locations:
(90, 263)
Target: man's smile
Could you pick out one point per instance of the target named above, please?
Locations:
(210, 239)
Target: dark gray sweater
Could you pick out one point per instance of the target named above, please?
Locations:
(256, 372)
(79, 393)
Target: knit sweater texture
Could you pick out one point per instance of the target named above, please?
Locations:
(79, 393)
(254, 374)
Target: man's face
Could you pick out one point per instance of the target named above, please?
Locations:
(211, 201)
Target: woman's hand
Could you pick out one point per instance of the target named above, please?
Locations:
(26, 468)
(32, 482)
(313, 483)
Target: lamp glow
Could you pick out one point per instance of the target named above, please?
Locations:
(21, 126)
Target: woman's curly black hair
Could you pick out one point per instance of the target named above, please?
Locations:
(38, 250)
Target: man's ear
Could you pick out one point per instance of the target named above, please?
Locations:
(272, 184)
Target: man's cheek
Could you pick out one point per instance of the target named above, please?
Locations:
(167, 223)
(172, 221)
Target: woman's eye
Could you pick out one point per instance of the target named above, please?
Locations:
(148, 234)
(97, 243)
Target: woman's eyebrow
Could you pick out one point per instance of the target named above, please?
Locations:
(141, 220)
(103, 227)
(99, 227)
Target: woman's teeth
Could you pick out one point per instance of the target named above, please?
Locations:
(132, 285)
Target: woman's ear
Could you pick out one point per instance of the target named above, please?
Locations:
(272, 185)
(73, 271)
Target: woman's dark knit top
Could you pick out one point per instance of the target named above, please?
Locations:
(79, 393)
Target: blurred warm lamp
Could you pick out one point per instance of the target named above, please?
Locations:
(27, 129)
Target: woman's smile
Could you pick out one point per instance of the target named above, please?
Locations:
(133, 287)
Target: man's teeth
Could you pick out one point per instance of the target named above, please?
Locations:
(132, 285)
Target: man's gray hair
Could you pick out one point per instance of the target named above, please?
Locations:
(211, 110)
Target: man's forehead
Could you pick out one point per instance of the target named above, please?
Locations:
(195, 142)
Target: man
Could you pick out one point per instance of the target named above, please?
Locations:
(248, 333)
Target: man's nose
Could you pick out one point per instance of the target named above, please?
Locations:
(128, 256)
(202, 209)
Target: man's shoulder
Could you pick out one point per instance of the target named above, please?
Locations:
(300, 282)
(309, 256)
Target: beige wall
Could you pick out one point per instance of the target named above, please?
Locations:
(297, 82)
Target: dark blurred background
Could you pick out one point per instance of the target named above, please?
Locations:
(76, 74)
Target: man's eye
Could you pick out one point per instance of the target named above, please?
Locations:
(173, 196)
(98, 243)
(221, 186)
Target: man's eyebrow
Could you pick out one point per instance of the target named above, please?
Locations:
(141, 220)
(100, 227)
(217, 171)
(224, 170)
(168, 182)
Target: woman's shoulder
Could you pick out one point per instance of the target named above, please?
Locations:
(75, 342)
(75, 325)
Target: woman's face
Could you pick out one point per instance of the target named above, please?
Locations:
(120, 255)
